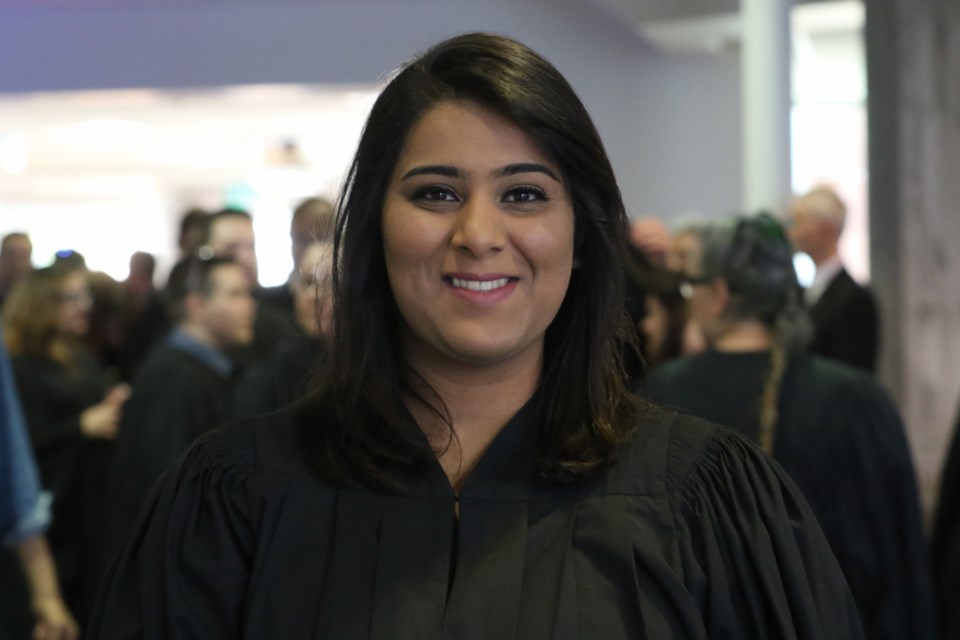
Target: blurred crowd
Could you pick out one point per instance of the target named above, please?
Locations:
(105, 383)
(727, 333)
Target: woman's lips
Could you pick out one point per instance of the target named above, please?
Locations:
(481, 289)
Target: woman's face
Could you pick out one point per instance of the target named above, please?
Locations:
(478, 239)
(312, 295)
(73, 307)
(706, 297)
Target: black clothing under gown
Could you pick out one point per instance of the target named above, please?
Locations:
(279, 380)
(72, 466)
(846, 324)
(693, 533)
(176, 398)
(843, 443)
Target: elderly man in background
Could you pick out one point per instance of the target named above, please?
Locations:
(844, 313)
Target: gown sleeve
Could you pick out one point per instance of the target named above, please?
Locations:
(752, 552)
(183, 571)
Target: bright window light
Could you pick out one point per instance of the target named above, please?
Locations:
(828, 120)
(108, 173)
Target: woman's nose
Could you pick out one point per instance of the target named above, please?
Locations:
(479, 228)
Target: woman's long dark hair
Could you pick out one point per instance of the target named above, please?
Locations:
(354, 423)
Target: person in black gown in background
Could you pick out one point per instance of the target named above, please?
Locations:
(312, 221)
(31, 604)
(72, 412)
(281, 379)
(184, 388)
(831, 426)
(471, 464)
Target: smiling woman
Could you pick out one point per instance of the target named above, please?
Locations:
(478, 251)
(478, 244)
(469, 463)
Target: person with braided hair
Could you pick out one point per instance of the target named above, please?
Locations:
(831, 427)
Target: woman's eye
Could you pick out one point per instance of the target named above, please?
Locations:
(435, 193)
(522, 195)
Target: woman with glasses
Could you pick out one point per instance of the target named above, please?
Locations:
(832, 428)
(71, 411)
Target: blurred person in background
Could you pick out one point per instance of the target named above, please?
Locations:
(107, 323)
(147, 321)
(230, 235)
(139, 286)
(72, 413)
(651, 236)
(192, 235)
(183, 389)
(662, 310)
(31, 605)
(831, 426)
(846, 325)
(312, 221)
(665, 319)
(193, 232)
(282, 377)
(16, 253)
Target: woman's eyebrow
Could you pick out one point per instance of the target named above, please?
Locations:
(433, 169)
(449, 171)
(525, 167)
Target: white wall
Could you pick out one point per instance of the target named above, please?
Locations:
(671, 124)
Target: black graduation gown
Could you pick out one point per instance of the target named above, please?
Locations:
(72, 467)
(843, 443)
(176, 398)
(270, 326)
(692, 534)
(279, 380)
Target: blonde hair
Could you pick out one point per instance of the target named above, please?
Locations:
(770, 398)
(31, 314)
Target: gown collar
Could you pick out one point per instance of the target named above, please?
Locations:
(507, 470)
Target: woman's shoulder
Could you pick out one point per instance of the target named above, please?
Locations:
(831, 385)
(672, 450)
(265, 447)
(680, 366)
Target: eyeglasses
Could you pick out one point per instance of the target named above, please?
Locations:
(687, 283)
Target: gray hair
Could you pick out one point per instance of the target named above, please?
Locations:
(753, 255)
